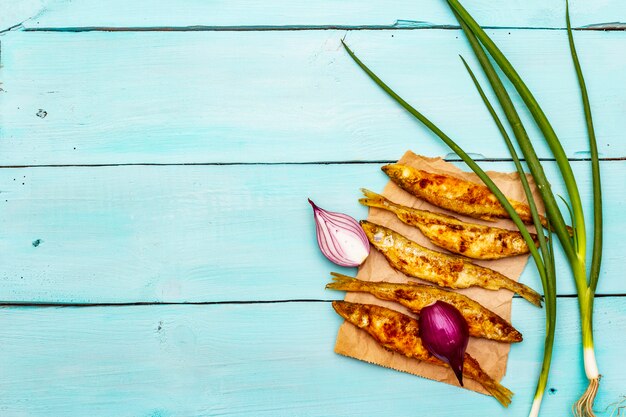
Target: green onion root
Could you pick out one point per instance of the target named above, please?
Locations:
(584, 406)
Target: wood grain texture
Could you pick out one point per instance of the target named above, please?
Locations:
(94, 98)
(264, 360)
(207, 233)
(13, 13)
(150, 13)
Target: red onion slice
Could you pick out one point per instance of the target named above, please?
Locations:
(340, 237)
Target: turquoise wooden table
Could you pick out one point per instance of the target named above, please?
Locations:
(157, 251)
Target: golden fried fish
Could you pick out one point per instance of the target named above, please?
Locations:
(481, 321)
(442, 269)
(455, 194)
(467, 239)
(398, 332)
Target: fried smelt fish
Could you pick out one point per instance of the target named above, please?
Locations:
(455, 194)
(467, 239)
(445, 270)
(398, 332)
(481, 321)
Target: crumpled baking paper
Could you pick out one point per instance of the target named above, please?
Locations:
(491, 355)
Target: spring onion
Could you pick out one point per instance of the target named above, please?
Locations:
(574, 246)
(546, 270)
(584, 406)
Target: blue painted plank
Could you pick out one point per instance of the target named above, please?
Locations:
(199, 361)
(206, 233)
(147, 13)
(15, 12)
(95, 98)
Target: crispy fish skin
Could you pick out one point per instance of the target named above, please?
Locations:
(481, 321)
(445, 270)
(455, 194)
(467, 239)
(398, 332)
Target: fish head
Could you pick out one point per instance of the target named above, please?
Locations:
(378, 235)
(398, 172)
(343, 308)
(369, 228)
(355, 313)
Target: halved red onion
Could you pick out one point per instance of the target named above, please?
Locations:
(445, 334)
(340, 237)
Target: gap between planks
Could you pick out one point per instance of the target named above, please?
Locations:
(355, 162)
(409, 25)
(201, 303)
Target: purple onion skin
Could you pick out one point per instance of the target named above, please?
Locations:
(445, 335)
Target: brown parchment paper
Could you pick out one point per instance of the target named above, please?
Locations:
(491, 355)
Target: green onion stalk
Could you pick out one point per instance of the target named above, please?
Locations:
(574, 246)
(545, 264)
(548, 278)
(584, 406)
(573, 240)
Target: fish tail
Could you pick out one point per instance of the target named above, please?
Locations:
(377, 200)
(499, 391)
(534, 237)
(344, 283)
(526, 293)
(494, 280)
(504, 332)
(514, 336)
(545, 223)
